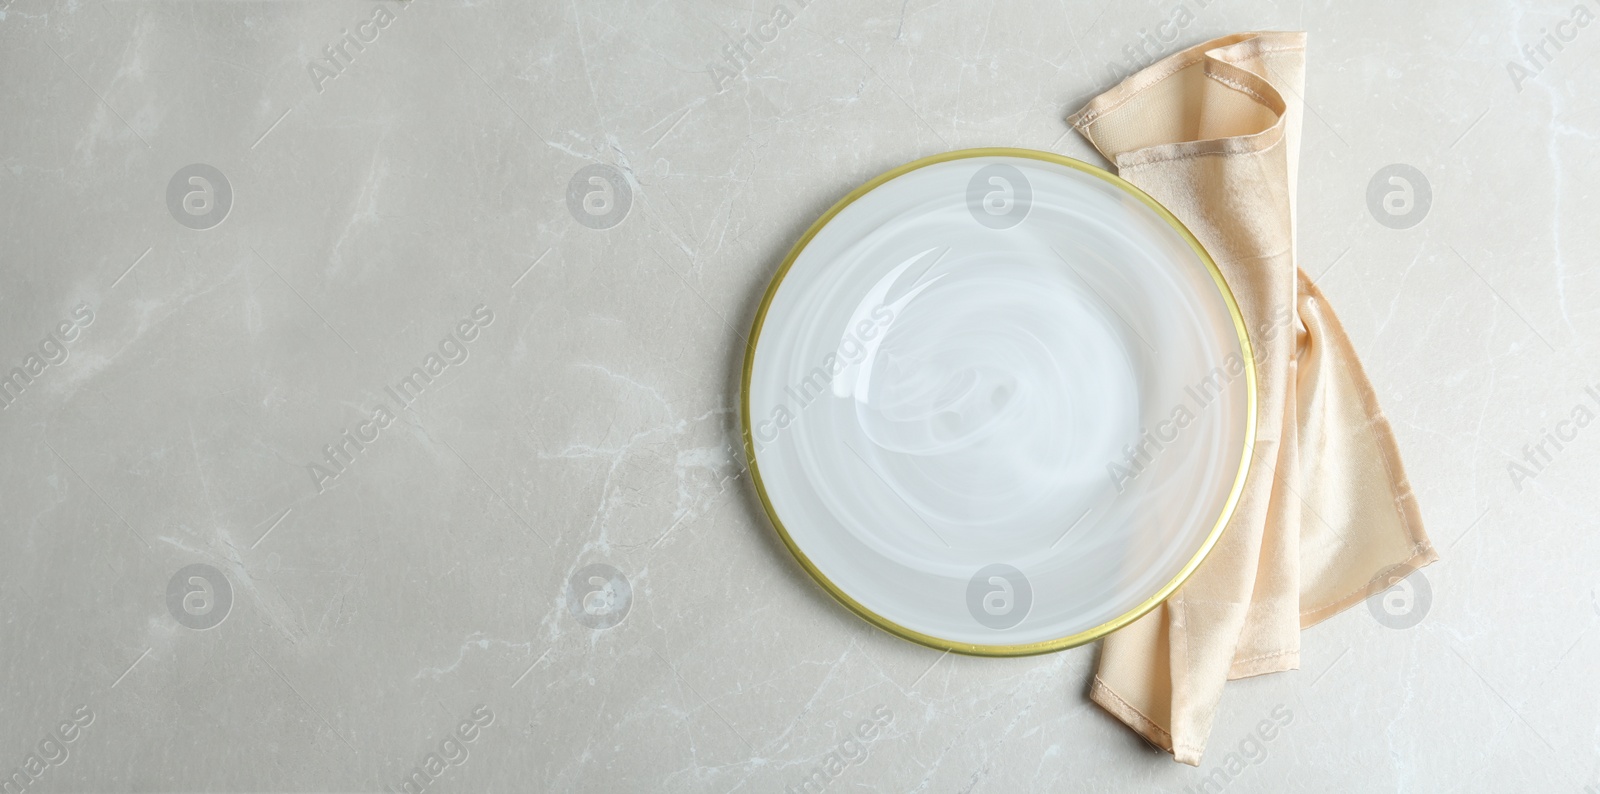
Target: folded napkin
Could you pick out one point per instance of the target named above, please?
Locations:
(1213, 133)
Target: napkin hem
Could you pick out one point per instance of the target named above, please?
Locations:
(1105, 698)
(1422, 553)
(1136, 83)
(1254, 143)
(1262, 665)
(1220, 56)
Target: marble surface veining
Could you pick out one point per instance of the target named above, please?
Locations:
(378, 383)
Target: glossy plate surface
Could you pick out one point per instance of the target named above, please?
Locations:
(998, 401)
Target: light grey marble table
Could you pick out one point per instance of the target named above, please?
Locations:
(246, 548)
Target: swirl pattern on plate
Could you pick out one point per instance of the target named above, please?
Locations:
(997, 383)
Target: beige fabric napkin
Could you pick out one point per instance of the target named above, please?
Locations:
(1213, 133)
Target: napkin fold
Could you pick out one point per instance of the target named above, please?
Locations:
(1213, 133)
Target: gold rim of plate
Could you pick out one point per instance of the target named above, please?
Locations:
(1047, 646)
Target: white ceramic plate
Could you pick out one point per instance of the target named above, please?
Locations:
(998, 401)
